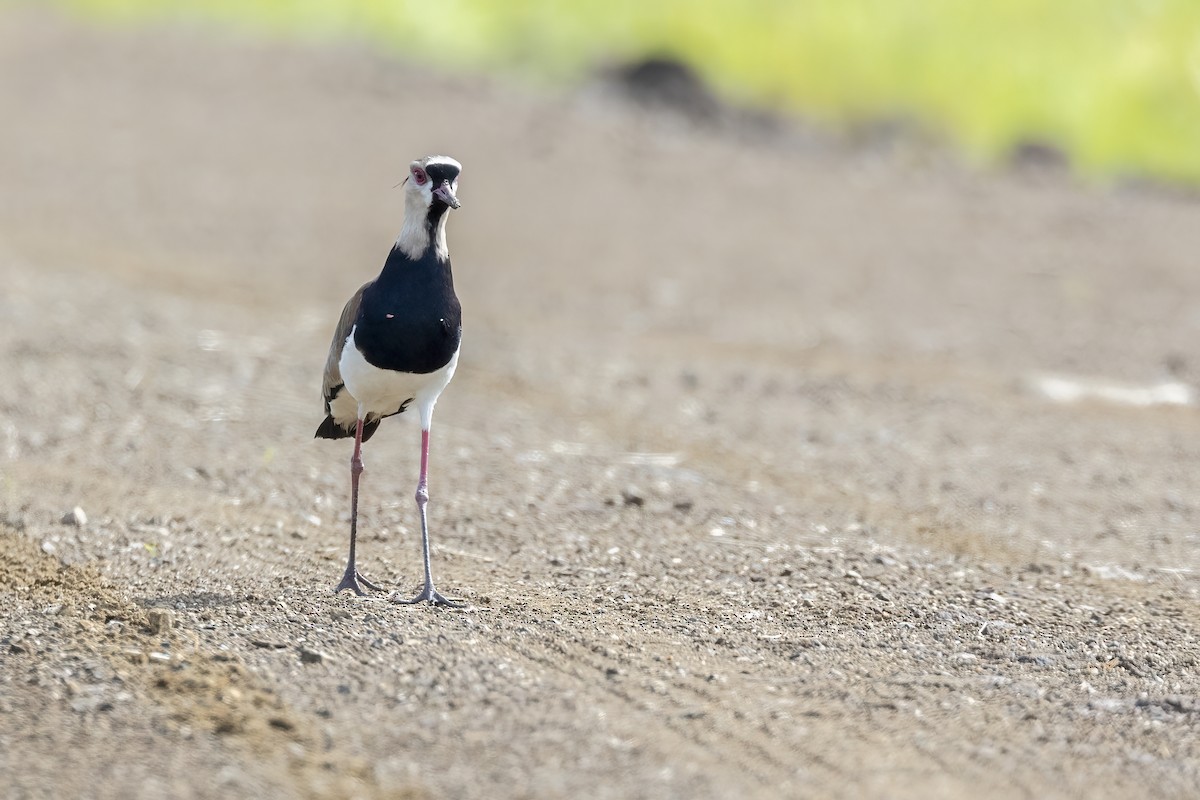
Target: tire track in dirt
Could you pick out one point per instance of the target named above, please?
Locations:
(671, 694)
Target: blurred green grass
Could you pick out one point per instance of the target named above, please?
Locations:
(1114, 83)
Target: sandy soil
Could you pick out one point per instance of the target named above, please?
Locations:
(751, 473)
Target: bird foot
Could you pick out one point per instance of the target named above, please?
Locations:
(427, 595)
(355, 582)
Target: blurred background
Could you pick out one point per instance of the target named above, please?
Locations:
(1111, 86)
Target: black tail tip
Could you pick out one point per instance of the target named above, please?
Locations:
(331, 430)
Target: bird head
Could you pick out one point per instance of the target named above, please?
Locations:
(434, 180)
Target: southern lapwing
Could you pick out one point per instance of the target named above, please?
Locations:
(397, 343)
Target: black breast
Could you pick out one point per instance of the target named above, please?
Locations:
(410, 319)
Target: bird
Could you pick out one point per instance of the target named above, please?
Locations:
(397, 343)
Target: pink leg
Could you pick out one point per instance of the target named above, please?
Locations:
(352, 580)
(428, 594)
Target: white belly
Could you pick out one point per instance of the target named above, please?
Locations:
(374, 392)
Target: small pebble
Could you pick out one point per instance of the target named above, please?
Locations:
(1110, 704)
(267, 644)
(75, 517)
(89, 702)
(161, 621)
(308, 656)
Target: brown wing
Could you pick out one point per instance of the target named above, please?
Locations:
(333, 375)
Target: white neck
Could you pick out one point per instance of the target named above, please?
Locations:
(414, 235)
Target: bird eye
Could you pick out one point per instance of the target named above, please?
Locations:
(419, 176)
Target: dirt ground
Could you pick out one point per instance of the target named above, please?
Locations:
(761, 473)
